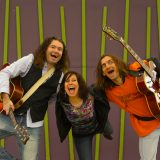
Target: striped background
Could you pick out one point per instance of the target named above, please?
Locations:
(25, 23)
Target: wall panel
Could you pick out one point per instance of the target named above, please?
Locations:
(80, 23)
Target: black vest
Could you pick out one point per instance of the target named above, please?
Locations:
(38, 101)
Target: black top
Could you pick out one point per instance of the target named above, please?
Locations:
(102, 108)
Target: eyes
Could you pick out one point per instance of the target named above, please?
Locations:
(56, 47)
(72, 80)
(109, 62)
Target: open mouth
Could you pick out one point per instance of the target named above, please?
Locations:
(110, 72)
(54, 56)
(71, 89)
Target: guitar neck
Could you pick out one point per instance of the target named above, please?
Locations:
(12, 117)
(136, 57)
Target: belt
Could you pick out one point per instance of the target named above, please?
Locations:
(144, 118)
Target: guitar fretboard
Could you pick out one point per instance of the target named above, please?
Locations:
(137, 58)
(11, 115)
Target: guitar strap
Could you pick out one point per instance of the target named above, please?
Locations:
(42, 80)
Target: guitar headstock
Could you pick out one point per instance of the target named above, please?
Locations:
(111, 33)
(22, 133)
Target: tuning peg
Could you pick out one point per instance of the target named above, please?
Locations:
(110, 38)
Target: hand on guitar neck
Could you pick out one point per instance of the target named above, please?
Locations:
(136, 66)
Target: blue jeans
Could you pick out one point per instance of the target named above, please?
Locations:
(29, 151)
(84, 147)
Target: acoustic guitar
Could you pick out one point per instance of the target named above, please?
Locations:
(16, 93)
(147, 83)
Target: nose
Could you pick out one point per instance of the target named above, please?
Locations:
(105, 66)
(56, 49)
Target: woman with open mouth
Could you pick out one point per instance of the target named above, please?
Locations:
(84, 110)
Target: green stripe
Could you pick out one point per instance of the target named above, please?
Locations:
(62, 14)
(71, 146)
(84, 39)
(63, 29)
(98, 138)
(40, 21)
(122, 118)
(158, 19)
(46, 134)
(103, 39)
(46, 128)
(6, 30)
(18, 32)
(126, 29)
(5, 51)
(148, 37)
(97, 146)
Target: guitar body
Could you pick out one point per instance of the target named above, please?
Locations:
(16, 90)
(147, 88)
(16, 93)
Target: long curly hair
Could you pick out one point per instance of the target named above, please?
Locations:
(83, 89)
(104, 82)
(40, 55)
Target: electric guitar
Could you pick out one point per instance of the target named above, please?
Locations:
(16, 93)
(147, 83)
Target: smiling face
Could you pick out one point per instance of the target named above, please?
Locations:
(54, 52)
(71, 86)
(109, 68)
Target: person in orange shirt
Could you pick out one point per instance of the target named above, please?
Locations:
(130, 88)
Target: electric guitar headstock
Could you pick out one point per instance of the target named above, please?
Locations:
(111, 33)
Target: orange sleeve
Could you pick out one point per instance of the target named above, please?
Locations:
(136, 66)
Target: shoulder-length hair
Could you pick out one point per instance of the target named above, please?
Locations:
(40, 55)
(104, 82)
(83, 89)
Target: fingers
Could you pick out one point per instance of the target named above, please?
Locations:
(7, 106)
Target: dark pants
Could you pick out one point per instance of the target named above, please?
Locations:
(84, 147)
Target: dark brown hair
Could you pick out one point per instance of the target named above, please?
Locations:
(83, 89)
(40, 54)
(104, 82)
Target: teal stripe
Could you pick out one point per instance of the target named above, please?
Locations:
(158, 19)
(148, 33)
(62, 14)
(84, 39)
(18, 32)
(41, 37)
(5, 51)
(122, 118)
